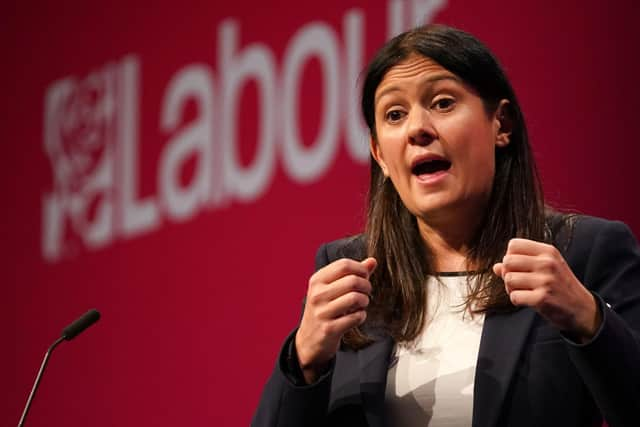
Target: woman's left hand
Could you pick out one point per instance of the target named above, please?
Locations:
(536, 275)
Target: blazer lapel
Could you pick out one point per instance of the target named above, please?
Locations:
(345, 383)
(503, 337)
(373, 362)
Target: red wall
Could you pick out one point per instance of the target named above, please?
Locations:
(198, 290)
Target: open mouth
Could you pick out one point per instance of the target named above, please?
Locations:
(430, 167)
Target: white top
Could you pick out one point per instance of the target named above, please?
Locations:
(430, 382)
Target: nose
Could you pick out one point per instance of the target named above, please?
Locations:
(420, 130)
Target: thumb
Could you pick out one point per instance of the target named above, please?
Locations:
(498, 269)
(370, 263)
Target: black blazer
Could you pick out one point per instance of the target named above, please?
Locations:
(527, 374)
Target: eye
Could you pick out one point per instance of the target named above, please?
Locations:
(443, 104)
(394, 116)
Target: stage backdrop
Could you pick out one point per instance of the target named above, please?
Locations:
(176, 164)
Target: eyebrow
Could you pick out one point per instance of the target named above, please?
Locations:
(430, 80)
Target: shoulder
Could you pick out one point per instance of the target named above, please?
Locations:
(353, 247)
(594, 225)
(587, 241)
(586, 231)
(574, 230)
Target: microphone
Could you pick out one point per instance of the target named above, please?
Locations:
(80, 324)
(68, 333)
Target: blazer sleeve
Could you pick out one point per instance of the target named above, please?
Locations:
(608, 255)
(284, 401)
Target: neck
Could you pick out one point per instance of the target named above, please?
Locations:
(448, 243)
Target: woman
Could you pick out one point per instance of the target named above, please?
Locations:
(464, 302)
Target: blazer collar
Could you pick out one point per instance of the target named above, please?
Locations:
(503, 337)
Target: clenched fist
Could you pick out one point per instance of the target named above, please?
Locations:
(536, 275)
(337, 299)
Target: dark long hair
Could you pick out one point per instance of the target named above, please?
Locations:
(515, 207)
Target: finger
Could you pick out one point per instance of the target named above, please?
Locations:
(339, 268)
(345, 304)
(342, 324)
(518, 262)
(343, 285)
(517, 280)
(498, 269)
(370, 263)
(528, 247)
(507, 289)
(526, 297)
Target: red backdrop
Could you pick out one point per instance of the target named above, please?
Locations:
(175, 165)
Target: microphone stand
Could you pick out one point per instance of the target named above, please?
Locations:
(68, 333)
(38, 377)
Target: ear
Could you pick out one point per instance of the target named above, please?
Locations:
(377, 155)
(503, 119)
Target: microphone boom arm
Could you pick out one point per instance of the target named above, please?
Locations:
(68, 333)
(38, 377)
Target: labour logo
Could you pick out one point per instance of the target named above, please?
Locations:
(80, 133)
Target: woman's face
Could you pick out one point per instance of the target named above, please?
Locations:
(435, 140)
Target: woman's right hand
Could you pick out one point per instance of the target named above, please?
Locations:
(337, 299)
